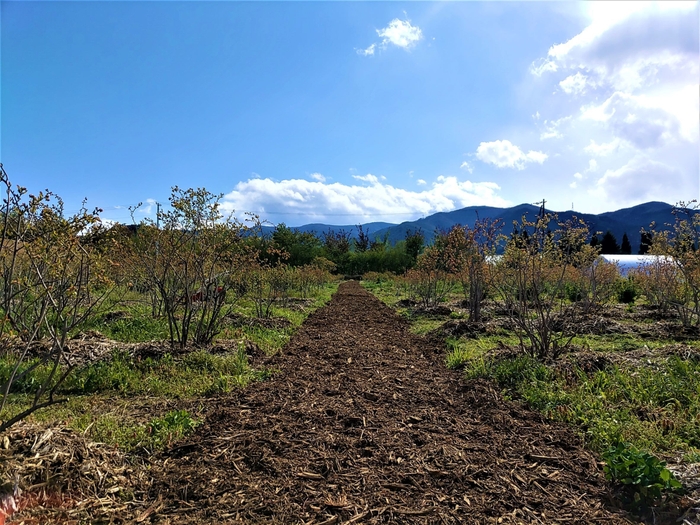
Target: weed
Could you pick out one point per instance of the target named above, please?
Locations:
(646, 476)
(175, 424)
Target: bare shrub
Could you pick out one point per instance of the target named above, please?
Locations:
(191, 264)
(532, 277)
(52, 282)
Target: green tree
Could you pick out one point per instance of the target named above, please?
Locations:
(301, 247)
(414, 243)
(362, 242)
(625, 247)
(609, 244)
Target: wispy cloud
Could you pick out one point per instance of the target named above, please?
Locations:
(575, 84)
(467, 167)
(369, 51)
(604, 149)
(147, 207)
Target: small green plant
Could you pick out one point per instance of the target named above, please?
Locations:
(646, 476)
(173, 425)
(626, 290)
(573, 292)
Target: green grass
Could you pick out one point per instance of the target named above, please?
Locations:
(121, 429)
(462, 351)
(654, 409)
(616, 342)
(423, 325)
(385, 290)
(115, 400)
(189, 376)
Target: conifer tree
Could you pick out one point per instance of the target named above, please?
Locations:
(645, 242)
(609, 244)
(625, 247)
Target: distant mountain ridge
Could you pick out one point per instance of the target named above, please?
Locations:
(627, 220)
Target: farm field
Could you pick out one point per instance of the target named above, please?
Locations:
(196, 370)
(630, 374)
(362, 421)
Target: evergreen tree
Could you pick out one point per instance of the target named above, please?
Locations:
(645, 242)
(609, 244)
(362, 241)
(414, 243)
(625, 247)
(594, 241)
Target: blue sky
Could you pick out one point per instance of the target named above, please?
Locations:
(347, 112)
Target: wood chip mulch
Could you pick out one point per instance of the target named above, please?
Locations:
(364, 424)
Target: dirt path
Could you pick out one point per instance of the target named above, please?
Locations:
(363, 424)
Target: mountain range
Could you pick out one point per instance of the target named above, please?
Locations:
(627, 220)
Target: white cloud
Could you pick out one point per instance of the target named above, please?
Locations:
(574, 84)
(645, 56)
(577, 175)
(552, 129)
(421, 182)
(369, 51)
(629, 82)
(367, 178)
(630, 119)
(504, 154)
(399, 33)
(639, 180)
(310, 201)
(542, 66)
(550, 134)
(604, 149)
(629, 34)
(147, 207)
(467, 167)
(318, 177)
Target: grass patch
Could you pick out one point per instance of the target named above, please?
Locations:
(462, 352)
(114, 400)
(386, 290)
(423, 325)
(616, 342)
(654, 409)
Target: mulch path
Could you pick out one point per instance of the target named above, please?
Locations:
(364, 424)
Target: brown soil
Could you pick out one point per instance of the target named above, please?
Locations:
(364, 424)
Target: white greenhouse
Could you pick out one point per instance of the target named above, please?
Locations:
(629, 262)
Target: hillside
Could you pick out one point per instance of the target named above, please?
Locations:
(627, 220)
